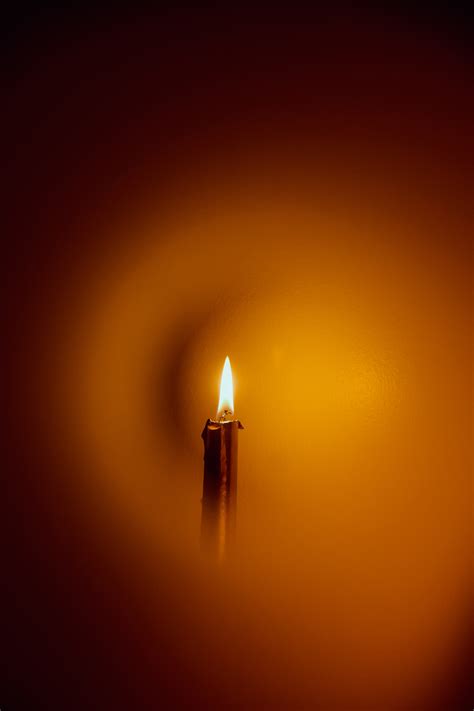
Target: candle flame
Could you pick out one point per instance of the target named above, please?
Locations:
(226, 396)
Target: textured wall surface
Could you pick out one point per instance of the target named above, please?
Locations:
(294, 197)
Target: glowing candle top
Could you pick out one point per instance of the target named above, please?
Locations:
(225, 409)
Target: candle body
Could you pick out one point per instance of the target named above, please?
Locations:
(219, 494)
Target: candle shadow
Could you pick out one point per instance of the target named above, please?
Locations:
(166, 382)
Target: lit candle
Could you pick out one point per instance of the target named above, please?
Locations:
(219, 495)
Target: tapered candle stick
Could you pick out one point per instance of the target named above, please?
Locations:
(219, 495)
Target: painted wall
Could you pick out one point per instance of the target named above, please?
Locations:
(301, 207)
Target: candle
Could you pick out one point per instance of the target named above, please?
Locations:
(219, 494)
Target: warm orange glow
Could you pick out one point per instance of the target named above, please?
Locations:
(226, 395)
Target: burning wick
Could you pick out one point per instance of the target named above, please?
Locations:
(219, 492)
(225, 409)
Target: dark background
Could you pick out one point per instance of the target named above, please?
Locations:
(98, 105)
